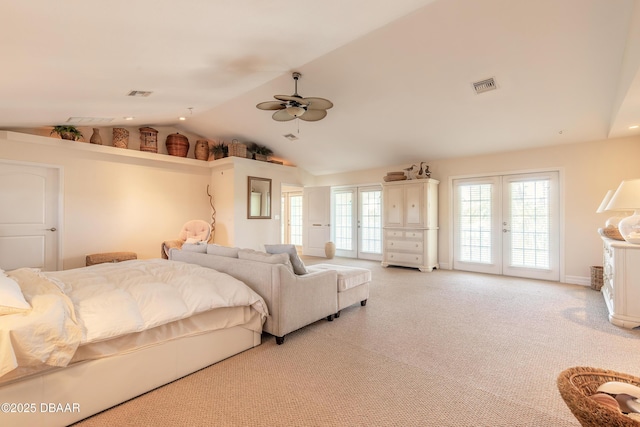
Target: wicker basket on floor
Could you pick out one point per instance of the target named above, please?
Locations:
(597, 279)
(578, 383)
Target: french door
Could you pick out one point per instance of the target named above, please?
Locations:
(357, 219)
(291, 210)
(508, 225)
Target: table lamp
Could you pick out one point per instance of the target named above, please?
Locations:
(627, 198)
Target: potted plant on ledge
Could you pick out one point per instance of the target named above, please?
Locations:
(261, 153)
(67, 132)
(219, 150)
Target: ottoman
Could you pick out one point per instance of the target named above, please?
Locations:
(93, 259)
(352, 286)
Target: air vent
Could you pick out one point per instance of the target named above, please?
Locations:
(87, 120)
(139, 93)
(485, 85)
(290, 137)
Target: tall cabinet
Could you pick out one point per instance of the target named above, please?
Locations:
(410, 224)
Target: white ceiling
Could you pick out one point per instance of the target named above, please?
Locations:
(399, 73)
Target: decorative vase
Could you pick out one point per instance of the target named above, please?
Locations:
(330, 249)
(96, 138)
(177, 145)
(148, 140)
(120, 138)
(201, 150)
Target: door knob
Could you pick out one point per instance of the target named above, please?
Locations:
(50, 229)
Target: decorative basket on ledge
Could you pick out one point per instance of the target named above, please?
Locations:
(237, 149)
(577, 384)
(177, 145)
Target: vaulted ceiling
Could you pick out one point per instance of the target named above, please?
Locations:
(400, 73)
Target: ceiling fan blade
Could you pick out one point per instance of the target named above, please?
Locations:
(282, 116)
(318, 103)
(292, 98)
(271, 105)
(313, 115)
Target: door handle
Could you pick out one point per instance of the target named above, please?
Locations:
(51, 229)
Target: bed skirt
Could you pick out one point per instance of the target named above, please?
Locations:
(63, 396)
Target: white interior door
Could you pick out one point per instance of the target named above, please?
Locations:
(508, 225)
(29, 222)
(316, 215)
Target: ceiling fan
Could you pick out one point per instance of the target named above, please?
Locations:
(297, 107)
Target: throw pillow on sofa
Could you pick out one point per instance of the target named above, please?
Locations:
(296, 262)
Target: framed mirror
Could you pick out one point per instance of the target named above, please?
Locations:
(259, 198)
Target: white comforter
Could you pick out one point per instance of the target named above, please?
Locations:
(104, 301)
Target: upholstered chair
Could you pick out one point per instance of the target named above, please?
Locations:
(194, 231)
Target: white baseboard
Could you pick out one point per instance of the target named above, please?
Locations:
(444, 266)
(578, 280)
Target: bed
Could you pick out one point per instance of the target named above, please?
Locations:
(93, 337)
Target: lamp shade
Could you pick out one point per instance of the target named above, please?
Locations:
(627, 197)
(605, 201)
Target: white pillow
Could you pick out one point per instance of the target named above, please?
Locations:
(191, 240)
(296, 262)
(11, 298)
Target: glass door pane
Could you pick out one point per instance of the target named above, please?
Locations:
(344, 222)
(370, 223)
(295, 219)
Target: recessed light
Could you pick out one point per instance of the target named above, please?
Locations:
(634, 127)
(129, 118)
(182, 118)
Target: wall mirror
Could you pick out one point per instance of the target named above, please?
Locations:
(259, 199)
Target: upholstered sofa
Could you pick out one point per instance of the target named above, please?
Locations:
(293, 300)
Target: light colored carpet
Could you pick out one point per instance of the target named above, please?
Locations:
(429, 349)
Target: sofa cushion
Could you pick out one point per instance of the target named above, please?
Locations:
(213, 249)
(296, 262)
(195, 247)
(348, 277)
(251, 255)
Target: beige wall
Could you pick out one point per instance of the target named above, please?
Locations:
(587, 170)
(114, 202)
(230, 180)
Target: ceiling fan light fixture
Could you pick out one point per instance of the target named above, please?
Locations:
(290, 107)
(295, 111)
